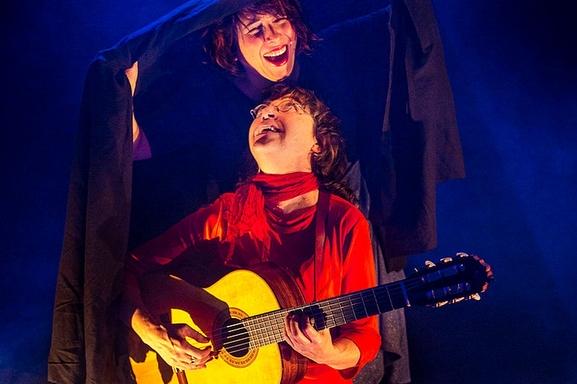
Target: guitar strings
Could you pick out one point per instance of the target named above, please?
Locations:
(274, 334)
(394, 287)
(273, 320)
(333, 318)
(255, 322)
(274, 323)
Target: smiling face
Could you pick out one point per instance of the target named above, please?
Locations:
(267, 44)
(282, 137)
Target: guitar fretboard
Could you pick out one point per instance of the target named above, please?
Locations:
(267, 328)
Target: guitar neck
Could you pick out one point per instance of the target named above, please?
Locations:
(267, 328)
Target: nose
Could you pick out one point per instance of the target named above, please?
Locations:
(270, 32)
(268, 112)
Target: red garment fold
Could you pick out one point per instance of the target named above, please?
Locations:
(256, 205)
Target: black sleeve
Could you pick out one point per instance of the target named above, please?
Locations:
(96, 233)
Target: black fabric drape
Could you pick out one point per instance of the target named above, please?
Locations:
(421, 134)
(96, 232)
(85, 333)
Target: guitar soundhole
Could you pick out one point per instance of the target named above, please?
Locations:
(236, 338)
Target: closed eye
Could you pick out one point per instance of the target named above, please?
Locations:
(256, 31)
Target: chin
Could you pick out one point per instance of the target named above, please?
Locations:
(280, 73)
(276, 77)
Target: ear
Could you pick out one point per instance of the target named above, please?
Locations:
(316, 148)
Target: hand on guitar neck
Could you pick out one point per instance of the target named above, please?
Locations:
(319, 346)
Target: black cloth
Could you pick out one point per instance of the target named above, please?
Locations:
(84, 335)
(398, 123)
(113, 205)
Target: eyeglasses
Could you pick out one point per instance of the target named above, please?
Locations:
(284, 106)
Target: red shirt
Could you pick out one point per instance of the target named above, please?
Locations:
(345, 263)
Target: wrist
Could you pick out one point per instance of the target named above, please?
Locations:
(145, 325)
(345, 354)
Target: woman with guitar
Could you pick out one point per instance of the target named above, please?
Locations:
(294, 214)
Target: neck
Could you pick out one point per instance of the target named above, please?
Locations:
(253, 85)
(301, 201)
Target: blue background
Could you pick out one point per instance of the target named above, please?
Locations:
(513, 68)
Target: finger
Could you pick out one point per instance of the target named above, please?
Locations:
(313, 334)
(196, 357)
(188, 331)
(300, 323)
(198, 366)
(184, 354)
(293, 328)
(197, 363)
(287, 333)
(204, 355)
(182, 364)
(204, 360)
(182, 347)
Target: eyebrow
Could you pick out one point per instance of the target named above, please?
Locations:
(281, 99)
(252, 25)
(252, 20)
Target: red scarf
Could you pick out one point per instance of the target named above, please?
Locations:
(255, 208)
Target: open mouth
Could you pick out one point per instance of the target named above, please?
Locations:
(265, 131)
(278, 56)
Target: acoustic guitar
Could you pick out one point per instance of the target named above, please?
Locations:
(243, 315)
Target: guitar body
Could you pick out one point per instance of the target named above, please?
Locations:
(243, 314)
(237, 295)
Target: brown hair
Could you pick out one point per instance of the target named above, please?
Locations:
(220, 41)
(330, 164)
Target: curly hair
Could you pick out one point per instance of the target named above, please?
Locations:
(330, 164)
(220, 39)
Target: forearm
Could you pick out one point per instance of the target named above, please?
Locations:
(133, 311)
(168, 340)
(346, 354)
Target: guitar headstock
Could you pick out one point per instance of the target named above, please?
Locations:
(453, 279)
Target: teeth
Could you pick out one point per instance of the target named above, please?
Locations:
(278, 52)
(269, 129)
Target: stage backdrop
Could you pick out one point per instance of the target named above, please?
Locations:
(513, 68)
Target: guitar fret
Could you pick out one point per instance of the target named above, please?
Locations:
(352, 306)
(383, 299)
(395, 296)
(342, 317)
(335, 313)
(370, 302)
(328, 314)
(359, 307)
(268, 328)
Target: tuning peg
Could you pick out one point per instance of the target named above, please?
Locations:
(475, 296)
(440, 304)
(462, 254)
(446, 260)
(457, 299)
(429, 264)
